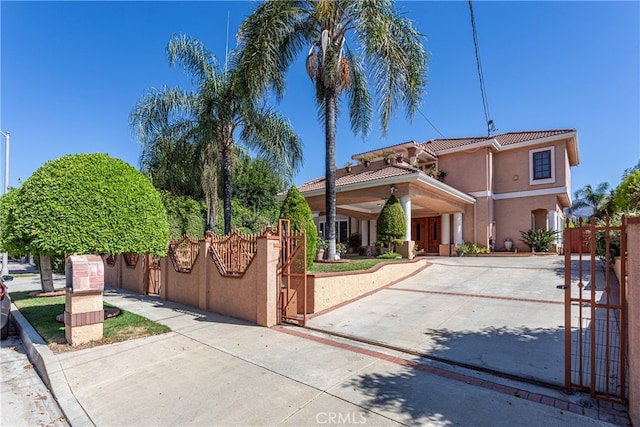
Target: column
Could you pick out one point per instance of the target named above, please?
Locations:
(405, 201)
(552, 224)
(364, 231)
(445, 220)
(457, 227)
(373, 232)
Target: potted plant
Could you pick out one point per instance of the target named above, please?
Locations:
(341, 250)
(386, 155)
(462, 249)
(399, 157)
(354, 241)
(348, 166)
(367, 161)
(321, 247)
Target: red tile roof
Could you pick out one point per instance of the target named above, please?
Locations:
(364, 176)
(432, 146)
(508, 138)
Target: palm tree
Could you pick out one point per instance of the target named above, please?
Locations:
(172, 122)
(278, 30)
(598, 200)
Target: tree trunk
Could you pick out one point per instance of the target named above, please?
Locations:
(330, 171)
(226, 185)
(46, 273)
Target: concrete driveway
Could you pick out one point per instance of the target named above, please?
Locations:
(502, 314)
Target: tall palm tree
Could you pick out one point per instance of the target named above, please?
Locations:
(278, 30)
(598, 199)
(171, 122)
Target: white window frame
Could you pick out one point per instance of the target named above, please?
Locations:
(323, 225)
(551, 180)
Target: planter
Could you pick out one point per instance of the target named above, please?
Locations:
(508, 245)
(320, 255)
(348, 169)
(387, 161)
(367, 163)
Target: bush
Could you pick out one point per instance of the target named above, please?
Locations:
(86, 204)
(539, 240)
(391, 222)
(184, 215)
(354, 240)
(296, 209)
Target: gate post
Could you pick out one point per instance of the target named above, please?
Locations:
(567, 309)
(83, 310)
(633, 305)
(267, 285)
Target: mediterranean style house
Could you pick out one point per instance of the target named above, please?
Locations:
(483, 190)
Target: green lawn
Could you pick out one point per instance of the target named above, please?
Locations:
(352, 265)
(41, 313)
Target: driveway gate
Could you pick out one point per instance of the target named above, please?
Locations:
(595, 313)
(292, 274)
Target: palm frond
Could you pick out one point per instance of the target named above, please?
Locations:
(273, 138)
(395, 55)
(269, 40)
(195, 58)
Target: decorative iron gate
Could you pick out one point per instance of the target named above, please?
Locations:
(153, 274)
(595, 312)
(292, 275)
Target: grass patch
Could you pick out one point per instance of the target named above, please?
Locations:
(23, 275)
(352, 265)
(41, 313)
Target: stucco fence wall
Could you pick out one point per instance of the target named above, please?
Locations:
(251, 296)
(633, 307)
(327, 290)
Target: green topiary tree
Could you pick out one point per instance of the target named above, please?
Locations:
(391, 222)
(86, 204)
(296, 209)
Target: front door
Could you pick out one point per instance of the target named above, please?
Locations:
(426, 233)
(433, 235)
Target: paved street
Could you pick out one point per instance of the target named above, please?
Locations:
(25, 400)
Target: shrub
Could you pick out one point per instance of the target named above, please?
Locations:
(86, 204)
(539, 240)
(354, 240)
(296, 209)
(184, 215)
(391, 222)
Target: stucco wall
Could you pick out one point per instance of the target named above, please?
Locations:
(514, 215)
(633, 306)
(132, 278)
(330, 289)
(112, 273)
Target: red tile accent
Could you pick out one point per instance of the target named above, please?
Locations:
(561, 404)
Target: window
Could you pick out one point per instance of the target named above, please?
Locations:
(342, 230)
(542, 166)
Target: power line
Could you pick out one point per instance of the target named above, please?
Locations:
(429, 121)
(485, 104)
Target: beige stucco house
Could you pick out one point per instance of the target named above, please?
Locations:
(481, 190)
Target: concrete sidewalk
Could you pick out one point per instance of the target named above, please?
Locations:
(213, 370)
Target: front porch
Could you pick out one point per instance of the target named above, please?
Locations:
(437, 216)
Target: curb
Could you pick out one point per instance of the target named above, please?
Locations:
(48, 367)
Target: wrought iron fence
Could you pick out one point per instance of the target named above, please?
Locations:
(183, 253)
(234, 252)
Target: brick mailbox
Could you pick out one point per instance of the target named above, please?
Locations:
(83, 310)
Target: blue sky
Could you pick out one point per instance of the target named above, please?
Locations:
(72, 71)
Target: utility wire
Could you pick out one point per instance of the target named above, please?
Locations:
(485, 104)
(429, 121)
